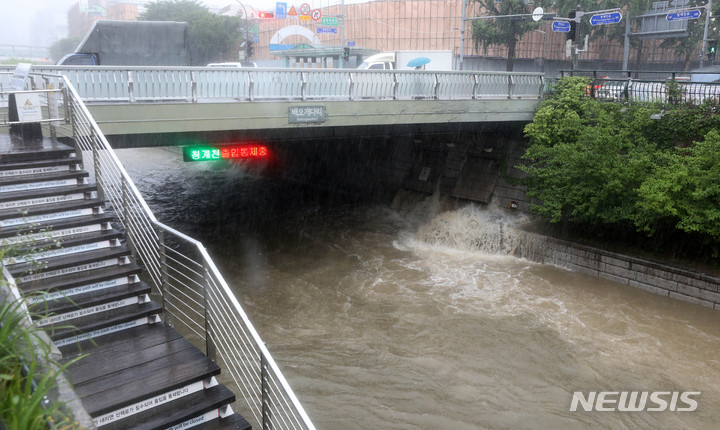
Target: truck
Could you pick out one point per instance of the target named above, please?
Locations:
(406, 60)
(132, 43)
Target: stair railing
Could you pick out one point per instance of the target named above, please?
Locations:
(195, 296)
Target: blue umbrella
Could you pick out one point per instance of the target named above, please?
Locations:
(418, 62)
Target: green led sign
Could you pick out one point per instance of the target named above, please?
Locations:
(224, 152)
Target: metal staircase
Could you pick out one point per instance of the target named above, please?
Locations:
(83, 287)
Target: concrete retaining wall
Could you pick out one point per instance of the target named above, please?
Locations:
(381, 167)
(675, 282)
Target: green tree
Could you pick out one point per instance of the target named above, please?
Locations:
(583, 166)
(502, 31)
(63, 47)
(684, 190)
(619, 166)
(211, 37)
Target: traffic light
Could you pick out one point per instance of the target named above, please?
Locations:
(570, 35)
(712, 48)
(266, 15)
(346, 53)
(249, 49)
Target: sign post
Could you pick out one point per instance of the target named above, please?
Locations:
(561, 26)
(24, 108)
(688, 14)
(606, 18)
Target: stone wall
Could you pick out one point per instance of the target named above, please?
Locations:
(672, 281)
(428, 164)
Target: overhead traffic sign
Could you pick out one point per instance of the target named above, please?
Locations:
(326, 30)
(280, 10)
(537, 14)
(561, 26)
(679, 16)
(606, 18)
(330, 21)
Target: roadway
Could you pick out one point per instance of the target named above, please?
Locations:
(158, 100)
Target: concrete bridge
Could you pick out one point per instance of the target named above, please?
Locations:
(275, 103)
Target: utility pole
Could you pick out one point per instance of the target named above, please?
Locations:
(342, 29)
(247, 53)
(576, 17)
(708, 11)
(626, 44)
(462, 36)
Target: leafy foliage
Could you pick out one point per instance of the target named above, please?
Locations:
(684, 189)
(602, 163)
(63, 47)
(211, 37)
(24, 386)
(502, 31)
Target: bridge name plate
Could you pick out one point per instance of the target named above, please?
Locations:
(306, 114)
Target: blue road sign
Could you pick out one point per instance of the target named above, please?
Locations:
(351, 43)
(280, 10)
(688, 14)
(326, 30)
(561, 26)
(606, 18)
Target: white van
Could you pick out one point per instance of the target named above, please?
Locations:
(242, 65)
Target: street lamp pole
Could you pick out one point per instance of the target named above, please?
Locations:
(462, 36)
(542, 59)
(708, 11)
(247, 57)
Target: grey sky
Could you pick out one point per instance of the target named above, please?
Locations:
(19, 16)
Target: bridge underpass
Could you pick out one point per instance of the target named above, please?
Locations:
(421, 130)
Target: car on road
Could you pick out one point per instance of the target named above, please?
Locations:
(234, 65)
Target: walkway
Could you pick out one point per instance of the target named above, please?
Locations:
(83, 287)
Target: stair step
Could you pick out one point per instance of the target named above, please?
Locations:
(183, 372)
(45, 305)
(76, 263)
(80, 315)
(24, 168)
(64, 241)
(46, 250)
(191, 409)
(39, 213)
(94, 325)
(232, 422)
(126, 342)
(30, 198)
(78, 283)
(45, 150)
(117, 360)
(54, 229)
(14, 184)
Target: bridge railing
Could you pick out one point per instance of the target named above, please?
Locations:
(195, 296)
(197, 84)
(650, 86)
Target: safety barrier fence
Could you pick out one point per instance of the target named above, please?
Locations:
(651, 86)
(196, 298)
(196, 84)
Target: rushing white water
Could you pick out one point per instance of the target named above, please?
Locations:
(416, 318)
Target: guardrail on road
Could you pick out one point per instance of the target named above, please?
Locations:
(197, 84)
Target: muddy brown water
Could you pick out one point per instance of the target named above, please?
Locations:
(405, 317)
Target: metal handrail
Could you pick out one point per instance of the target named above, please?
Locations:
(193, 292)
(195, 84)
